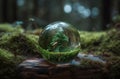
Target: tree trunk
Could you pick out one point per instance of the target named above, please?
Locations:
(106, 12)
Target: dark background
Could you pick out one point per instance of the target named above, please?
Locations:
(84, 14)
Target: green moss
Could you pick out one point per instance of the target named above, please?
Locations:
(15, 48)
(91, 40)
(6, 28)
(111, 42)
(9, 28)
(108, 41)
(59, 42)
(59, 57)
(8, 64)
(20, 43)
(25, 45)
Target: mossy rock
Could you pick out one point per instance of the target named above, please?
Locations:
(20, 43)
(8, 64)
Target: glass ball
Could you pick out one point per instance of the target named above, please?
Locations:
(60, 42)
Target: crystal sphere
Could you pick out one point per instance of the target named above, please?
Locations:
(60, 42)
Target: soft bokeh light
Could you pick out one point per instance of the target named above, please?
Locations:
(20, 2)
(84, 12)
(67, 8)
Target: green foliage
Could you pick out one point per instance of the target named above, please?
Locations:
(91, 40)
(9, 28)
(24, 45)
(20, 43)
(108, 41)
(6, 28)
(59, 42)
(111, 42)
(58, 57)
(19, 46)
(8, 64)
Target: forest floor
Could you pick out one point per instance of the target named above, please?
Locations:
(16, 45)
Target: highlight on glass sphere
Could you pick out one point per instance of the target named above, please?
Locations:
(60, 42)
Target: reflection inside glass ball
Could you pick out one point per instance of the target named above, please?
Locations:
(59, 37)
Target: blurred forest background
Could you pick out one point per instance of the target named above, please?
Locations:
(84, 14)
